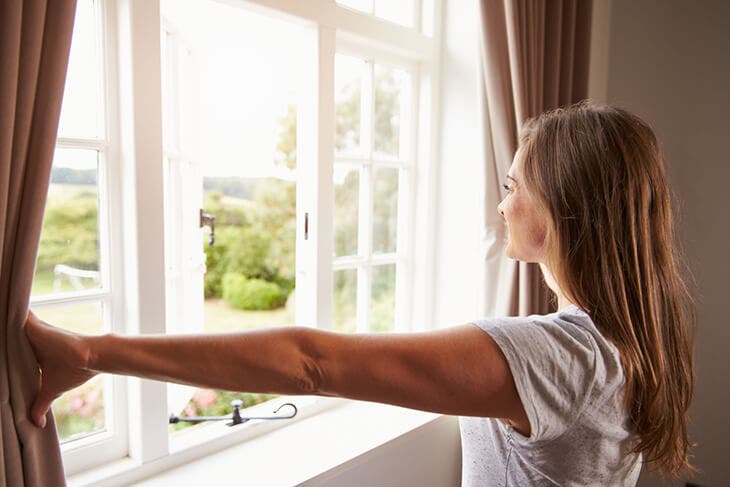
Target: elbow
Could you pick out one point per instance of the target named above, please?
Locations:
(310, 378)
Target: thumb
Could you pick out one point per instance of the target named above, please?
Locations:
(40, 408)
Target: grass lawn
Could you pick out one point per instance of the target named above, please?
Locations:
(219, 317)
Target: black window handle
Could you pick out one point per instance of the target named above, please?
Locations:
(208, 219)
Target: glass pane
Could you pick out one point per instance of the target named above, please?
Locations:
(385, 209)
(346, 182)
(349, 73)
(82, 109)
(361, 5)
(344, 302)
(80, 411)
(390, 93)
(382, 308)
(68, 256)
(398, 11)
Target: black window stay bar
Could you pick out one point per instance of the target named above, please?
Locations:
(236, 417)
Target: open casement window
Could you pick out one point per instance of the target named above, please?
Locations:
(303, 128)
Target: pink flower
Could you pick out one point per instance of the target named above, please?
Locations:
(205, 397)
(189, 411)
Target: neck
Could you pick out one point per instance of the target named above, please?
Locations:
(563, 301)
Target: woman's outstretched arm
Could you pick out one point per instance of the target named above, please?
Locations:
(459, 370)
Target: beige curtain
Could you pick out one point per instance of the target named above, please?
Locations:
(534, 58)
(35, 37)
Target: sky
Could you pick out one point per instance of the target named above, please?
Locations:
(245, 71)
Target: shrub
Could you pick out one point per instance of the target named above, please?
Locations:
(247, 253)
(252, 294)
(215, 268)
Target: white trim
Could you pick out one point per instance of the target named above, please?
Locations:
(69, 297)
(357, 162)
(141, 143)
(81, 143)
(425, 219)
(376, 31)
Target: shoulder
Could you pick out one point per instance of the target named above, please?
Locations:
(568, 330)
(560, 363)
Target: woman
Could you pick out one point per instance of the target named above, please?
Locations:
(577, 397)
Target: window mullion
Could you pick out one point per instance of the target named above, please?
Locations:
(365, 204)
(315, 185)
(141, 158)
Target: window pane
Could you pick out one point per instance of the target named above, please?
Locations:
(68, 256)
(390, 93)
(382, 310)
(349, 73)
(346, 182)
(80, 411)
(385, 209)
(82, 109)
(344, 316)
(398, 11)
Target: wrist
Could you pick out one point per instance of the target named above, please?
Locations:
(92, 347)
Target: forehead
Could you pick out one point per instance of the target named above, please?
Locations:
(516, 167)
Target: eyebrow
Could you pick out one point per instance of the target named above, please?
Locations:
(510, 177)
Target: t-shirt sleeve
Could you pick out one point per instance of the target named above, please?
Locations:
(553, 366)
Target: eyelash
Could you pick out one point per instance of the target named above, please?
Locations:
(507, 187)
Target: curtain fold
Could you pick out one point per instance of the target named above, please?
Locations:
(535, 56)
(35, 39)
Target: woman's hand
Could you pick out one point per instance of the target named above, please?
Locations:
(63, 358)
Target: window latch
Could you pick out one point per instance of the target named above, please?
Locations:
(208, 219)
(235, 417)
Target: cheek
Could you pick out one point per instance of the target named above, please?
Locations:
(537, 233)
(528, 229)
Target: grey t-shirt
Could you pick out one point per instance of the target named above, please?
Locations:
(569, 378)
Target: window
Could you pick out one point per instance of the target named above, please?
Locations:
(372, 169)
(303, 129)
(76, 274)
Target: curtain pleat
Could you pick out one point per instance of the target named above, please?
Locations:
(535, 57)
(35, 38)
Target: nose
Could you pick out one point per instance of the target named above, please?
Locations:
(500, 210)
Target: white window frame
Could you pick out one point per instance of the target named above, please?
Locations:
(110, 444)
(367, 163)
(136, 196)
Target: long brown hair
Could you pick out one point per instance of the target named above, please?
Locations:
(598, 172)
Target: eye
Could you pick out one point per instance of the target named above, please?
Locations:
(507, 187)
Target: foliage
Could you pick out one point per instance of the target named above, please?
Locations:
(238, 215)
(70, 234)
(286, 147)
(248, 252)
(387, 111)
(252, 294)
(277, 218)
(67, 175)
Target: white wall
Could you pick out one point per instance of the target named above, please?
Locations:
(458, 265)
(669, 62)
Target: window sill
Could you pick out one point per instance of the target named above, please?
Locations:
(319, 444)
